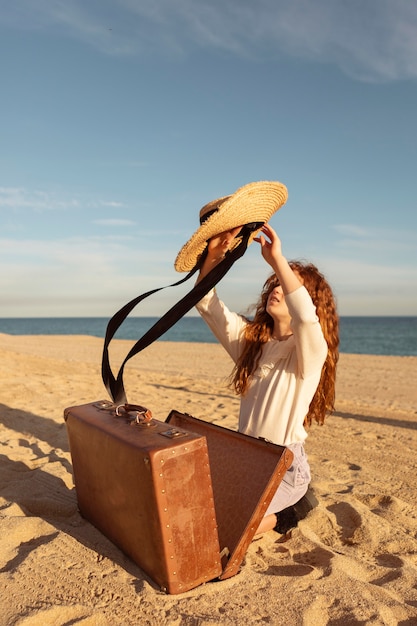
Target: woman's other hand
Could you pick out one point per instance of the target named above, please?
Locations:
(272, 253)
(271, 248)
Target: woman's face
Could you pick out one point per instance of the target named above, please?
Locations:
(275, 304)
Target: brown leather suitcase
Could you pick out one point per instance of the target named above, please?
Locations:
(183, 498)
(147, 487)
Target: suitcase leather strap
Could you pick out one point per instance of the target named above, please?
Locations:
(114, 384)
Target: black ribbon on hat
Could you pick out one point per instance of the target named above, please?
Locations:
(114, 384)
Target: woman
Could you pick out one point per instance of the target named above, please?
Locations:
(285, 361)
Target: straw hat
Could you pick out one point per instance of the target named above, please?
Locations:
(255, 202)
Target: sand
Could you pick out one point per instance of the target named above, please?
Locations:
(353, 560)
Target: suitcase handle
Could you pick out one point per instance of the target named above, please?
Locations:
(143, 415)
(114, 384)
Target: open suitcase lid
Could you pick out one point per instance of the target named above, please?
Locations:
(245, 474)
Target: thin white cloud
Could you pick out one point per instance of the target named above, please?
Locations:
(351, 230)
(374, 40)
(112, 204)
(19, 199)
(381, 243)
(114, 222)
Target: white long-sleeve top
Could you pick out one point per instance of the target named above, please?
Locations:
(283, 385)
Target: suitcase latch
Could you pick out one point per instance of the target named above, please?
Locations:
(173, 433)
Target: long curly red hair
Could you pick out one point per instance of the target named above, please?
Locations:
(259, 330)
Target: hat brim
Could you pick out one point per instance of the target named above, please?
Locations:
(255, 202)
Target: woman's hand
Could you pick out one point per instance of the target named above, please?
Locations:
(220, 244)
(272, 253)
(216, 250)
(271, 248)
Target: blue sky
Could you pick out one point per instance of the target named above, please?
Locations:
(119, 120)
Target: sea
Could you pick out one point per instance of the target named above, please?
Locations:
(358, 335)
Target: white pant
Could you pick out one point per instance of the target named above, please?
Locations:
(294, 483)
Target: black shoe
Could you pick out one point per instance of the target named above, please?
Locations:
(288, 518)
